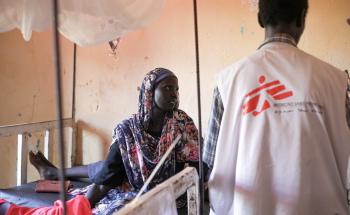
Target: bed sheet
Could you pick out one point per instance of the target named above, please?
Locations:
(25, 195)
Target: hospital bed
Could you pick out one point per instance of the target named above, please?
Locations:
(24, 193)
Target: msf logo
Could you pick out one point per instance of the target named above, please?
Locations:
(274, 90)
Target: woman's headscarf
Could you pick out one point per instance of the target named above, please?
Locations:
(149, 83)
(140, 151)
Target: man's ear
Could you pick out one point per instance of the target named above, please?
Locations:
(259, 20)
(301, 19)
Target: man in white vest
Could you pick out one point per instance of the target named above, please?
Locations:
(279, 141)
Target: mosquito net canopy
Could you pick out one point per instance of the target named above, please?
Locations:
(83, 22)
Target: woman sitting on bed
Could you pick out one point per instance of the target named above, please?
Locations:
(138, 145)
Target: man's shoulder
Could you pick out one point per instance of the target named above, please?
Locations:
(319, 62)
(240, 64)
(256, 58)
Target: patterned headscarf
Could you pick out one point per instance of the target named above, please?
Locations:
(140, 151)
(149, 83)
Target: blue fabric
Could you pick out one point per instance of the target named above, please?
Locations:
(211, 139)
(115, 199)
(93, 169)
(162, 74)
(109, 172)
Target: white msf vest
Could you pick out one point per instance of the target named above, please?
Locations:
(284, 144)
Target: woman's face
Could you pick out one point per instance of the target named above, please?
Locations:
(166, 94)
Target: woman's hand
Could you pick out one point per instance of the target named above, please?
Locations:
(96, 193)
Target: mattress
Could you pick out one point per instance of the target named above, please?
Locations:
(25, 195)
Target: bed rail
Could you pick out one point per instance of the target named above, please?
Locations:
(24, 130)
(185, 181)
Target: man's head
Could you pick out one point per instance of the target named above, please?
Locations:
(283, 15)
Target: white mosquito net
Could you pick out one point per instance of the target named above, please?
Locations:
(83, 22)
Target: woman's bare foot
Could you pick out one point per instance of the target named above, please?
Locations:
(46, 169)
(42, 156)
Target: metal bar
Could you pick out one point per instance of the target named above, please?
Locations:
(180, 183)
(10, 130)
(193, 200)
(59, 103)
(155, 170)
(22, 159)
(74, 127)
(74, 79)
(74, 147)
(201, 172)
